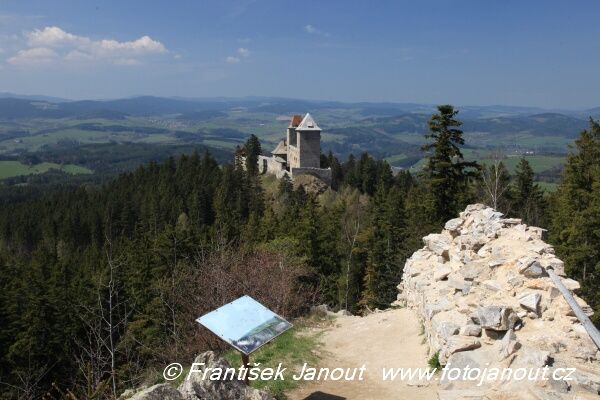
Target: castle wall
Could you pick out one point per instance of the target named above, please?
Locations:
(268, 165)
(309, 147)
(321, 173)
(293, 156)
(291, 136)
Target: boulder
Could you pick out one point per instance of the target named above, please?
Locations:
(555, 264)
(445, 329)
(433, 309)
(197, 388)
(492, 285)
(457, 344)
(530, 267)
(453, 224)
(438, 243)
(321, 310)
(586, 381)
(163, 391)
(496, 318)
(470, 330)
(571, 284)
(496, 262)
(531, 302)
(509, 344)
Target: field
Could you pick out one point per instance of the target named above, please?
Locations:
(9, 169)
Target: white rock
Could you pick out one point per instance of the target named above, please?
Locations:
(571, 284)
(470, 330)
(509, 344)
(531, 302)
(162, 391)
(492, 285)
(441, 272)
(453, 224)
(496, 318)
(439, 244)
(530, 267)
(456, 344)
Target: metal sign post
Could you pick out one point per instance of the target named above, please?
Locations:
(585, 321)
(246, 364)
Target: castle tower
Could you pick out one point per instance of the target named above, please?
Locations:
(307, 146)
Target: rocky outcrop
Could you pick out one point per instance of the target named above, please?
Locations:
(482, 292)
(163, 391)
(197, 388)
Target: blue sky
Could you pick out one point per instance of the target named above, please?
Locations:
(539, 53)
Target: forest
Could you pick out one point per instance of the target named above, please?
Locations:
(100, 285)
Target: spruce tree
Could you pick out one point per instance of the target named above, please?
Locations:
(387, 248)
(446, 171)
(575, 216)
(253, 150)
(529, 203)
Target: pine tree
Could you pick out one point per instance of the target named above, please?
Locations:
(446, 171)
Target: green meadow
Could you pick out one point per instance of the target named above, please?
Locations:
(9, 169)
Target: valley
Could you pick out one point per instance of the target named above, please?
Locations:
(51, 129)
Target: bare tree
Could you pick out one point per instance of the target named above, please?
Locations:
(495, 181)
(103, 321)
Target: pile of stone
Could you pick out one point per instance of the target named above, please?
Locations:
(485, 300)
(197, 388)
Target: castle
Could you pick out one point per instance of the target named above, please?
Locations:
(299, 153)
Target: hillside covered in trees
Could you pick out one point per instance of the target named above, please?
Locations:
(100, 286)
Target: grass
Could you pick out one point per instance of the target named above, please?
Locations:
(548, 186)
(292, 349)
(539, 163)
(395, 158)
(434, 361)
(9, 169)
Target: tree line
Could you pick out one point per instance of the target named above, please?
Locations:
(100, 286)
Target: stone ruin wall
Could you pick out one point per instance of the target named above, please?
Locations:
(483, 295)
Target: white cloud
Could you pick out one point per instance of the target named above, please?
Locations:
(241, 53)
(313, 30)
(54, 36)
(74, 48)
(310, 29)
(34, 56)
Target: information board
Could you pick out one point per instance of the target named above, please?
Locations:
(245, 324)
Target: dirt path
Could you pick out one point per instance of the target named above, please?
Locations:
(389, 339)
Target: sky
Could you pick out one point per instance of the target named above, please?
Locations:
(542, 53)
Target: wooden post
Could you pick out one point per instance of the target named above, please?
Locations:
(246, 364)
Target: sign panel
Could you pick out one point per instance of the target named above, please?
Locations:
(245, 324)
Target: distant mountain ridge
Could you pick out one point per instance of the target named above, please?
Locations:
(152, 105)
(366, 118)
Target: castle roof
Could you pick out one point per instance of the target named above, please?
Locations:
(295, 121)
(308, 124)
(281, 148)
